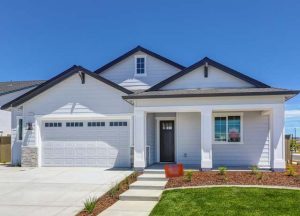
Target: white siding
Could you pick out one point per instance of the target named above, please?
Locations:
(156, 71)
(69, 98)
(5, 116)
(254, 151)
(188, 133)
(72, 97)
(216, 79)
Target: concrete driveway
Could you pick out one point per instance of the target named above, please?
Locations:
(52, 191)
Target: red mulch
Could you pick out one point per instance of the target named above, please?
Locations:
(237, 178)
(108, 200)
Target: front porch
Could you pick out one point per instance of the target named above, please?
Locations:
(191, 135)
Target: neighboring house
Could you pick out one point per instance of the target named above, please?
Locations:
(9, 91)
(205, 115)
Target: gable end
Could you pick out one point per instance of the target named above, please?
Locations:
(215, 64)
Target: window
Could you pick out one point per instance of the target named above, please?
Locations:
(115, 124)
(96, 124)
(74, 124)
(20, 129)
(140, 62)
(53, 124)
(228, 128)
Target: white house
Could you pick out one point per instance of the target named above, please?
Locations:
(9, 91)
(143, 108)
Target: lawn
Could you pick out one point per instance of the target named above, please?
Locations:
(229, 201)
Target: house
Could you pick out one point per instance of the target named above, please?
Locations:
(143, 108)
(9, 91)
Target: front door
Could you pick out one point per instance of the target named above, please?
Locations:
(167, 141)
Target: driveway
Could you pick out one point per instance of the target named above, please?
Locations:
(52, 191)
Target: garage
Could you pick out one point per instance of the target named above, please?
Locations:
(89, 143)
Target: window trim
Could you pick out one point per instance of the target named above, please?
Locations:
(18, 135)
(135, 65)
(227, 115)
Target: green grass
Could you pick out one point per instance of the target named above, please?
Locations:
(229, 201)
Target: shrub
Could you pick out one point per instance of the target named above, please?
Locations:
(254, 169)
(290, 171)
(222, 170)
(259, 175)
(114, 190)
(188, 176)
(90, 204)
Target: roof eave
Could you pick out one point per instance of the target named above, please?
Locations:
(283, 93)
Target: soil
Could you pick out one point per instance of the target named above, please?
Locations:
(109, 198)
(238, 178)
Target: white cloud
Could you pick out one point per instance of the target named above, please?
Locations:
(292, 113)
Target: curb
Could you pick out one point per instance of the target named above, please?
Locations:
(241, 186)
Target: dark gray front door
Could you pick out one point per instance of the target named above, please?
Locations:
(167, 149)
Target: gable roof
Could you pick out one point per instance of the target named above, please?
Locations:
(211, 62)
(135, 50)
(57, 79)
(14, 86)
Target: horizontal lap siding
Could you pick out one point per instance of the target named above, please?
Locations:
(254, 151)
(188, 138)
(156, 70)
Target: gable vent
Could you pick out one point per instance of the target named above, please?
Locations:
(206, 70)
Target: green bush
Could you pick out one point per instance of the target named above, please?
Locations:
(259, 175)
(90, 204)
(114, 190)
(188, 176)
(290, 170)
(254, 169)
(222, 170)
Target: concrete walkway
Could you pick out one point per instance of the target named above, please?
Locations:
(141, 197)
(52, 191)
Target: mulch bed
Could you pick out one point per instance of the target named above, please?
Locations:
(237, 178)
(110, 198)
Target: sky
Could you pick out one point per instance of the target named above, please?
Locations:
(39, 39)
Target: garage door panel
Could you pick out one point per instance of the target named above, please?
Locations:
(107, 146)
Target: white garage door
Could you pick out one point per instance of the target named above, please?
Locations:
(86, 143)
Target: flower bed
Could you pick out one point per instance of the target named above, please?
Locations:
(237, 178)
(111, 196)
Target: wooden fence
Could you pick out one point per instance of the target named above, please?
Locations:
(5, 149)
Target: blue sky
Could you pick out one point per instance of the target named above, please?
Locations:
(39, 39)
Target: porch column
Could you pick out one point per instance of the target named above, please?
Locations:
(278, 144)
(206, 139)
(139, 139)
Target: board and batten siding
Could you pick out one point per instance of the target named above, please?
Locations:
(216, 79)
(156, 70)
(188, 134)
(254, 150)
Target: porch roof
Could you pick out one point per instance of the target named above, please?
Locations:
(215, 92)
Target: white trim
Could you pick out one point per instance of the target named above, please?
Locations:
(135, 63)
(226, 114)
(158, 120)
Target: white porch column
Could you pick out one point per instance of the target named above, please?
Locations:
(278, 144)
(139, 139)
(206, 138)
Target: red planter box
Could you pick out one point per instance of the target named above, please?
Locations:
(173, 170)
